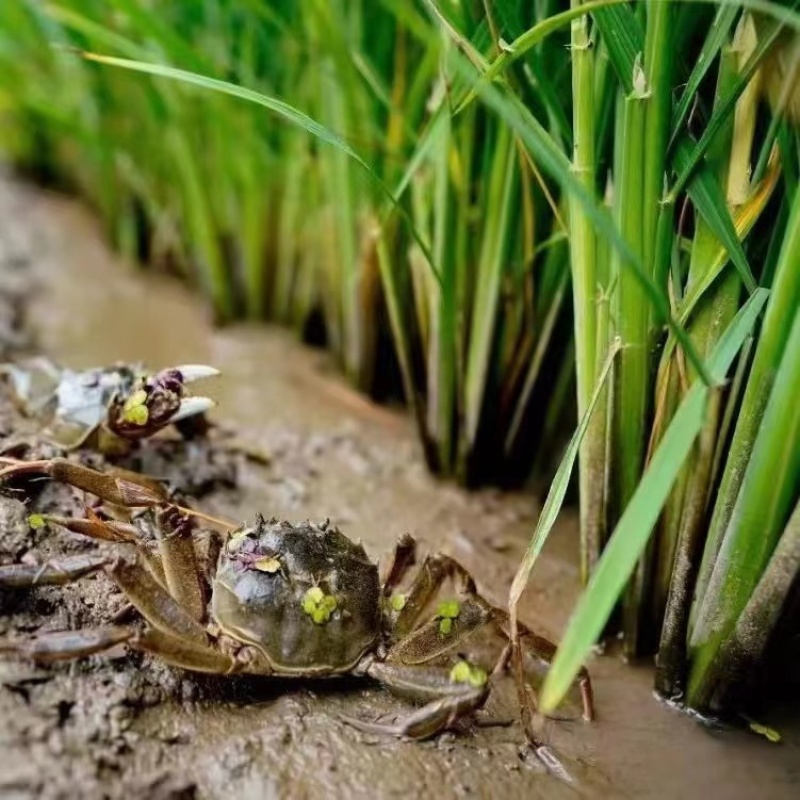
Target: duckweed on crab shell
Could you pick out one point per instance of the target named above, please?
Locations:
(267, 564)
(135, 409)
(36, 522)
(464, 672)
(397, 602)
(318, 605)
(447, 611)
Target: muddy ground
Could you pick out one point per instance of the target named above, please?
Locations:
(128, 727)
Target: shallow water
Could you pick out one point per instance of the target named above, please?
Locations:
(333, 454)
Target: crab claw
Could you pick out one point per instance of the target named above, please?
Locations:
(191, 406)
(158, 400)
(196, 372)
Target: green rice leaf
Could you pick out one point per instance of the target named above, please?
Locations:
(279, 107)
(689, 160)
(624, 39)
(558, 488)
(709, 200)
(717, 35)
(528, 40)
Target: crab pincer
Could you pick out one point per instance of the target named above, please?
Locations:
(156, 401)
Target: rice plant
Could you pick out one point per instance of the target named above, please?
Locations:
(424, 186)
(717, 491)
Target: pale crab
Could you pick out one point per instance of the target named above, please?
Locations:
(106, 408)
(281, 599)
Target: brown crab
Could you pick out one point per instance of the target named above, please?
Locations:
(284, 599)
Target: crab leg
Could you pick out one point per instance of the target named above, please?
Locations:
(93, 527)
(153, 602)
(47, 647)
(111, 530)
(64, 645)
(186, 655)
(117, 487)
(435, 570)
(429, 640)
(446, 701)
(121, 490)
(176, 545)
(401, 561)
(543, 650)
(50, 573)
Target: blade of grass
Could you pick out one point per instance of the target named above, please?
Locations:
(717, 36)
(624, 38)
(534, 368)
(709, 200)
(282, 109)
(442, 362)
(692, 159)
(744, 220)
(502, 186)
(558, 489)
(527, 41)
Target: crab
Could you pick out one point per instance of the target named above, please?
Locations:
(283, 599)
(107, 408)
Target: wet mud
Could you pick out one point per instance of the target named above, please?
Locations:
(291, 441)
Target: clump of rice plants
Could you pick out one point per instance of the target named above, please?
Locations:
(682, 233)
(693, 462)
